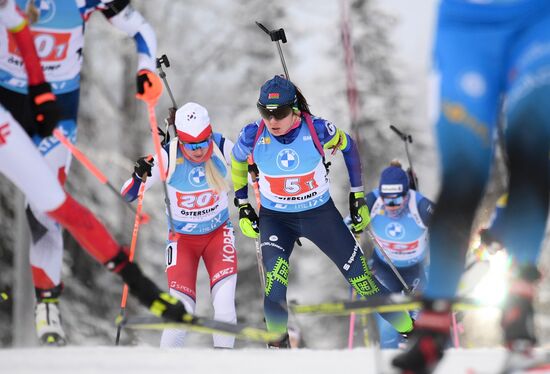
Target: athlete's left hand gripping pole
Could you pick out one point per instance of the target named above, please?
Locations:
(137, 222)
(93, 169)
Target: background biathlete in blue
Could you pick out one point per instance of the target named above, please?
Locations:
(287, 146)
(484, 52)
(399, 220)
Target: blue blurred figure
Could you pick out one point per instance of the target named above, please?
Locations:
(490, 56)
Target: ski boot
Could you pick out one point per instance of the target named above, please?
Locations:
(403, 338)
(48, 317)
(284, 343)
(518, 320)
(428, 340)
(159, 303)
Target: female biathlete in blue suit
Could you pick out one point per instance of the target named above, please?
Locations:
(399, 219)
(287, 146)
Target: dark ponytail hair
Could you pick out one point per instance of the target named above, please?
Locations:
(301, 102)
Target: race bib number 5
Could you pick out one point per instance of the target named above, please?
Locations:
(291, 186)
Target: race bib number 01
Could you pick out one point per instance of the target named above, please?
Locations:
(50, 47)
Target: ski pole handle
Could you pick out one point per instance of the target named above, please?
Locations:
(163, 60)
(277, 36)
(405, 137)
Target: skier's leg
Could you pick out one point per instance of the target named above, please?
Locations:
(466, 103)
(46, 247)
(414, 277)
(528, 148)
(25, 167)
(23, 164)
(277, 241)
(223, 300)
(325, 227)
(388, 337)
(172, 338)
(220, 259)
(182, 261)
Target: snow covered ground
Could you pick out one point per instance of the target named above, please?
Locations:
(141, 360)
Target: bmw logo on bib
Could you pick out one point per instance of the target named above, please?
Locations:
(395, 230)
(287, 160)
(46, 8)
(197, 176)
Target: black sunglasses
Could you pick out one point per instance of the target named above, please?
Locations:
(278, 113)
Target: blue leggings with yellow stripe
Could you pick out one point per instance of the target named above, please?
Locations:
(325, 227)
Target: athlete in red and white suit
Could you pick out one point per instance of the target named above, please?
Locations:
(23, 164)
(200, 216)
(58, 32)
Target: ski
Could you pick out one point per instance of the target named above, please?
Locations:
(203, 326)
(378, 304)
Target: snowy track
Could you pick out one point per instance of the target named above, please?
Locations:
(141, 360)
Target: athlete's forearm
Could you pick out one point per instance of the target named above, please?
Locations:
(353, 164)
(18, 26)
(239, 176)
(124, 17)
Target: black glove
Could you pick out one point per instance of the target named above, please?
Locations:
(254, 171)
(44, 108)
(170, 122)
(143, 165)
(171, 119)
(163, 136)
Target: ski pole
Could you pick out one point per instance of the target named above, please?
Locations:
(94, 170)
(137, 223)
(376, 243)
(407, 138)
(276, 36)
(351, 321)
(163, 60)
(353, 296)
(162, 171)
(254, 176)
